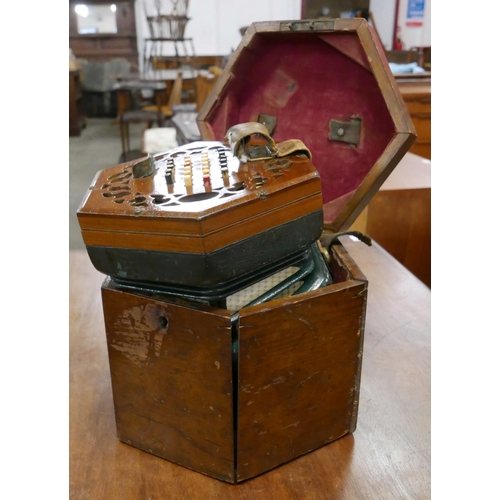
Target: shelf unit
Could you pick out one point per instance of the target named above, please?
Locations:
(154, 52)
(101, 47)
(416, 93)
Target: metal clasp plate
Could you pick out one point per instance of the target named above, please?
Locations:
(144, 168)
(349, 132)
(268, 121)
(308, 26)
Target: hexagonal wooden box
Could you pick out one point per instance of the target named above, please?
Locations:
(233, 399)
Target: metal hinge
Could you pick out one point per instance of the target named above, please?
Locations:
(308, 26)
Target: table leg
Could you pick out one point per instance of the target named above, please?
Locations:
(159, 103)
(122, 101)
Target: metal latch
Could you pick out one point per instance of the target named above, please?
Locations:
(307, 26)
(268, 121)
(349, 132)
(144, 168)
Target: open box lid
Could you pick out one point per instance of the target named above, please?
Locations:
(327, 83)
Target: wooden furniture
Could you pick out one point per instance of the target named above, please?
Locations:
(420, 55)
(416, 92)
(105, 46)
(157, 75)
(76, 115)
(127, 114)
(168, 77)
(166, 86)
(184, 119)
(205, 82)
(154, 49)
(173, 96)
(161, 82)
(197, 61)
(148, 118)
(125, 90)
(399, 216)
(424, 57)
(166, 21)
(387, 457)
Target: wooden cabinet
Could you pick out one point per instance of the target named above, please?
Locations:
(101, 47)
(399, 216)
(76, 116)
(417, 96)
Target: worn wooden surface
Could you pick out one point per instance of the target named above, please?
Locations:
(399, 216)
(387, 457)
(400, 221)
(121, 211)
(417, 97)
(298, 391)
(172, 380)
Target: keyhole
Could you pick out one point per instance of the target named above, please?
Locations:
(163, 323)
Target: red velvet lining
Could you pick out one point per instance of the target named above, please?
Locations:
(304, 82)
(344, 44)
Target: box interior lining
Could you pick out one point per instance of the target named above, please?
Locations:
(304, 81)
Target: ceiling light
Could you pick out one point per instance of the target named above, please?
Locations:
(82, 10)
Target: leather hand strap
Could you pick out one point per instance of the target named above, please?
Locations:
(239, 135)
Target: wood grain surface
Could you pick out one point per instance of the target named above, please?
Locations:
(297, 391)
(399, 216)
(400, 221)
(206, 243)
(110, 216)
(172, 380)
(387, 457)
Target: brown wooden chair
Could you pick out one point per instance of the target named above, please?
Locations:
(204, 84)
(148, 115)
(173, 99)
(135, 116)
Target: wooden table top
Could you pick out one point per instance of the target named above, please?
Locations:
(157, 75)
(414, 86)
(139, 85)
(388, 457)
(412, 172)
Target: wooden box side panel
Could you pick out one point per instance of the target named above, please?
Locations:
(171, 374)
(298, 375)
(343, 266)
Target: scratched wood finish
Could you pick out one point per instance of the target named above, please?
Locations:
(408, 235)
(109, 215)
(208, 243)
(293, 353)
(297, 387)
(387, 457)
(171, 373)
